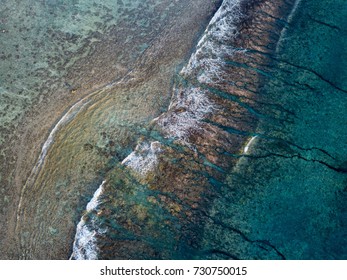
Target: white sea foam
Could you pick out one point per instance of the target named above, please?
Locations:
(145, 157)
(206, 63)
(187, 109)
(94, 201)
(190, 106)
(85, 246)
(71, 113)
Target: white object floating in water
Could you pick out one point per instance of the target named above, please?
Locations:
(245, 150)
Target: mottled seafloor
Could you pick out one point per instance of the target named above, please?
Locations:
(173, 129)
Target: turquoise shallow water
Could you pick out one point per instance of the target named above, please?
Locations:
(52, 48)
(112, 75)
(228, 143)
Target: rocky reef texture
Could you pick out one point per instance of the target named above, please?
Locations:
(56, 154)
(219, 140)
(157, 204)
(289, 192)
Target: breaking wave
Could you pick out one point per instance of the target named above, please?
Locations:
(144, 159)
(85, 246)
(190, 105)
(207, 62)
(187, 109)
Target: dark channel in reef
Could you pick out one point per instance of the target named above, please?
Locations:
(159, 208)
(211, 131)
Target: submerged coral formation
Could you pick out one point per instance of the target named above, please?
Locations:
(207, 131)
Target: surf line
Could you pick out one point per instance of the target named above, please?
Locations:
(65, 119)
(84, 246)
